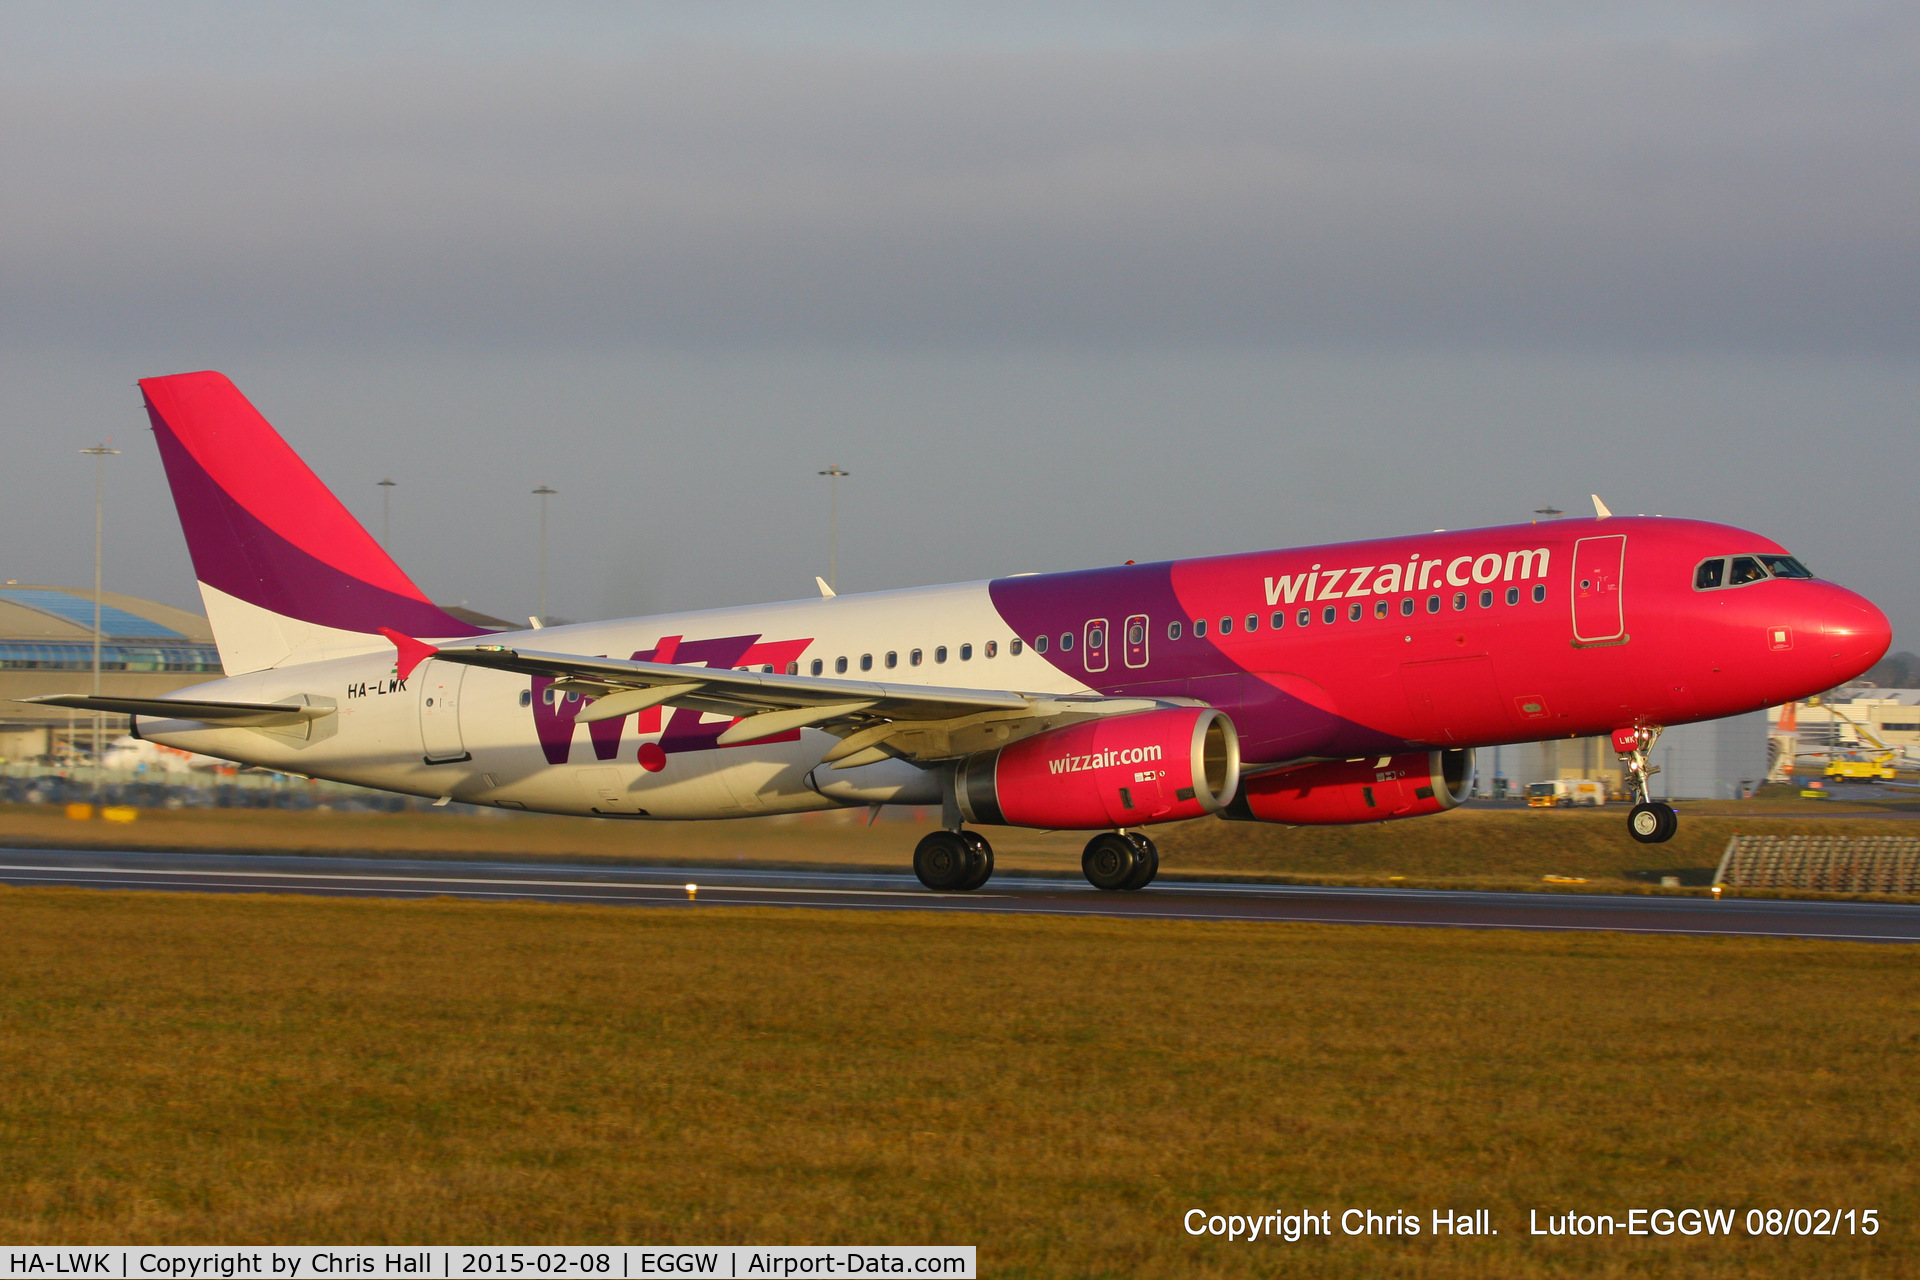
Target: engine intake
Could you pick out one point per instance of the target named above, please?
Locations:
(1115, 771)
(1350, 791)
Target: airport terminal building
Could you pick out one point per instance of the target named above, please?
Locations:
(46, 646)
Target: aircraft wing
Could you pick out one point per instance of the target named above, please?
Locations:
(874, 720)
(249, 715)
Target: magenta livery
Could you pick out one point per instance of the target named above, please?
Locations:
(1335, 684)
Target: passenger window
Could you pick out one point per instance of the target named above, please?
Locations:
(1354, 611)
(1039, 644)
(993, 647)
(893, 659)
(1433, 604)
(1279, 621)
(1513, 595)
(1253, 622)
(1486, 599)
(1328, 614)
(1406, 607)
(818, 666)
(940, 653)
(767, 670)
(793, 668)
(966, 653)
(1305, 617)
(1540, 593)
(1136, 633)
(839, 666)
(1013, 647)
(1096, 637)
(1199, 627)
(1380, 609)
(1785, 567)
(1459, 601)
(1745, 569)
(913, 659)
(1226, 626)
(526, 697)
(1709, 575)
(866, 662)
(1173, 630)
(1066, 642)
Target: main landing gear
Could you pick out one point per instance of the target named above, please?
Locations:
(1120, 860)
(953, 861)
(1647, 822)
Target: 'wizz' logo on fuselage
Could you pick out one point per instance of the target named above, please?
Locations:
(1415, 575)
(554, 714)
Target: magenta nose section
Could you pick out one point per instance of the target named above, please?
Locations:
(1857, 634)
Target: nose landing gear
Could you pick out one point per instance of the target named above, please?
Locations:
(1647, 822)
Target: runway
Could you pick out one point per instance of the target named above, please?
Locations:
(661, 887)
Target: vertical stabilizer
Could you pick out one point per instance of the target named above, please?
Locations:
(287, 573)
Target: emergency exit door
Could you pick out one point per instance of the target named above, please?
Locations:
(440, 740)
(1598, 566)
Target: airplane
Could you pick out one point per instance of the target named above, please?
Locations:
(1334, 684)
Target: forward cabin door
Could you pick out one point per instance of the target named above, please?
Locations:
(440, 740)
(1598, 566)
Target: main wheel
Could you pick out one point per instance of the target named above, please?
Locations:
(1652, 823)
(980, 861)
(943, 860)
(1147, 861)
(1110, 861)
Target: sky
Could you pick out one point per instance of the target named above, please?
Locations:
(1061, 285)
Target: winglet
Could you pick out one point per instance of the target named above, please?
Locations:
(412, 652)
(826, 592)
(1600, 511)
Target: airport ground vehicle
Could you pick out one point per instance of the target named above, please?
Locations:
(1340, 683)
(1860, 766)
(1565, 793)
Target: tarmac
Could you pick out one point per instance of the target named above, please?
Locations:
(667, 887)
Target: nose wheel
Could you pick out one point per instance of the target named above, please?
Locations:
(1647, 822)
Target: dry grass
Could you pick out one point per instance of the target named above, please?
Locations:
(183, 1069)
(1467, 847)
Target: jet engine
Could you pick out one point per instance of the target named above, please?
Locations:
(1376, 789)
(1115, 771)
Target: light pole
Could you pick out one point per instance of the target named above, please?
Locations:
(543, 493)
(386, 515)
(833, 474)
(99, 453)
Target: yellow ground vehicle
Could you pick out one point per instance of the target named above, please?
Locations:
(1875, 768)
(1561, 793)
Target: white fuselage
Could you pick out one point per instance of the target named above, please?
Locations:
(486, 748)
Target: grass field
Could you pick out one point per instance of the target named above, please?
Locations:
(1480, 848)
(182, 1069)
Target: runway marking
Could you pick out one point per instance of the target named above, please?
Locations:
(375, 885)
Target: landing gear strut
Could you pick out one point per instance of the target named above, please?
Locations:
(1120, 860)
(953, 861)
(1647, 822)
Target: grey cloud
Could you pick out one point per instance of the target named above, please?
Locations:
(1715, 192)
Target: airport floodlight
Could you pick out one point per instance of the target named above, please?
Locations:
(544, 492)
(99, 453)
(833, 473)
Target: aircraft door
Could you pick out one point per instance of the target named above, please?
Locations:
(440, 740)
(1598, 567)
(1095, 645)
(1136, 640)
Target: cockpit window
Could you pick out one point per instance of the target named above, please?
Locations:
(1785, 567)
(1740, 571)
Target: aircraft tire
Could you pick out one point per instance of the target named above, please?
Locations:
(1147, 865)
(1110, 861)
(979, 864)
(943, 860)
(1652, 823)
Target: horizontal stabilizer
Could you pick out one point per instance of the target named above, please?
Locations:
(241, 715)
